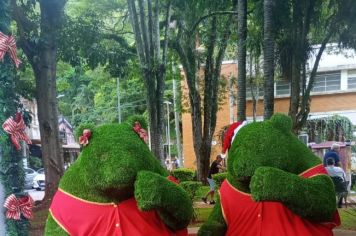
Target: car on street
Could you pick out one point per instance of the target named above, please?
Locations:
(30, 174)
(39, 180)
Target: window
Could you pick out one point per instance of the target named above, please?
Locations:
(282, 88)
(249, 93)
(329, 81)
(351, 80)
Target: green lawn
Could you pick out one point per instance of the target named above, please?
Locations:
(348, 218)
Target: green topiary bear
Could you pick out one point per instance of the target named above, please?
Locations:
(275, 186)
(117, 187)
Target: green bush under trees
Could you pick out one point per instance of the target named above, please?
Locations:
(219, 178)
(183, 174)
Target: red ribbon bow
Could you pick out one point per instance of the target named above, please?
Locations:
(140, 131)
(16, 206)
(8, 44)
(16, 129)
(84, 139)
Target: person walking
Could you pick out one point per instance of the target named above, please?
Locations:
(214, 169)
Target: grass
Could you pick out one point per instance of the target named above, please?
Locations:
(348, 218)
(201, 192)
(202, 216)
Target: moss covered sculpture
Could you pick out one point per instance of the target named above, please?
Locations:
(117, 187)
(275, 186)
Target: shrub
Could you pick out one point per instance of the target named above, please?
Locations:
(35, 162)
(191, 187)
(219, 178)
(183, 174)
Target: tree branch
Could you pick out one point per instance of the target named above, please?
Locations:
(24, 27)
(210, 15)
(137, 31)
(144, 31)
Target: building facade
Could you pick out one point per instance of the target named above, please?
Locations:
(334, 92)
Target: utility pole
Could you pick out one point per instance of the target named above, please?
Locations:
(118, 99)
(176, 121)
(168, 130)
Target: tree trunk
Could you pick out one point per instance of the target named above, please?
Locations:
(42, 57)
(203, 130)
(241, 35)
(46, 95)
(145, 24)
(268, 64)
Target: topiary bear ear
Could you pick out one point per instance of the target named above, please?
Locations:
(281, 122)
(137, 118)
(79, 130)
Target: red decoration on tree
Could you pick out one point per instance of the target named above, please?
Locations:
(140, 131)
(8, 44)
(84, 139)
(16, 206)
(172, 179)
(16, 129)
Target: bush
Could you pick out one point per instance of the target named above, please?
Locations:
(219, 178)
(191, 187)
(183, 174)
(35, 162)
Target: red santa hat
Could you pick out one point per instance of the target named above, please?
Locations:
(230, 134)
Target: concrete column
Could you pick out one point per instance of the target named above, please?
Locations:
(343, 80)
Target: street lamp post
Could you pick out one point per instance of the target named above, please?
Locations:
(118, 99)
(168, 130)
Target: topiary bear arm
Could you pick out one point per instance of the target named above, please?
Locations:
(311, 198)
(155, 192)
(215, 225)
(53, 229)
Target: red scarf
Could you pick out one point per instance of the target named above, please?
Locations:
(79, 217)
(249, 218)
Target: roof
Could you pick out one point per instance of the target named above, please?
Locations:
(61, 119)
(327, 144)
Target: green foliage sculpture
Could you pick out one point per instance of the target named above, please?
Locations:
(270, 172)
(115, 168)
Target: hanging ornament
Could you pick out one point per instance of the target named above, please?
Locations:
(140, 131)
(16, 129)
(84, 139)
(16, 206)
(8, 44)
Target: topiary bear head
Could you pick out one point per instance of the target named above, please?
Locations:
(269, 143)
(110, 161)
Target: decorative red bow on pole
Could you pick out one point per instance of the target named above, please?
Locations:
(16, 129)
(8, 44)
(16, 206)
(84, 139)
(140, 131)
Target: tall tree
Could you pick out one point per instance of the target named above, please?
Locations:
(145, 19)
(241, 58)
(38, 38)
(268, 55)
(189, 42)
(306, 23)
